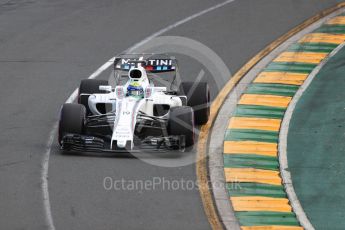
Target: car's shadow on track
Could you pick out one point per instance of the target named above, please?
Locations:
(97, 154)
(144, 154)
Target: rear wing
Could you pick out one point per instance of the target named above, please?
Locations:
(153, 65)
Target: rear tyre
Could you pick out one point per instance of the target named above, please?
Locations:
(181, 122)
(198, 97)
(89, 86)
(72, 120)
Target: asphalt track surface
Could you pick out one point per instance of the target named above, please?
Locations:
(47, 47)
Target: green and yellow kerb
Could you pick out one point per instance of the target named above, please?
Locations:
(251, 141)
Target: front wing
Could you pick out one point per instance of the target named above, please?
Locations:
(86, 143)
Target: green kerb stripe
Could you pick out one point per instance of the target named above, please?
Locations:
(294, 67)
(272, 89)
(259, 111)
(250, 161)
(331, 29)
(267, 218)
(312, 47)
(251, 135)
(255, 189)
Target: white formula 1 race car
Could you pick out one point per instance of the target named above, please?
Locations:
(146, 109)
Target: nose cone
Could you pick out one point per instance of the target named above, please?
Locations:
(121, 143)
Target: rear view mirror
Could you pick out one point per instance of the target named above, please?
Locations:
(106, 88)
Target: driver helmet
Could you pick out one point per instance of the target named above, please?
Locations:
(134, 89)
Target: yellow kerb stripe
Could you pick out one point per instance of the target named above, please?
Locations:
(304, 57)
(281, 78)
(250, 147)
(252, 175)
(260, 203)
(254, 123)
(336, 21)
(271, 228)
(323, 38)
(265, 100)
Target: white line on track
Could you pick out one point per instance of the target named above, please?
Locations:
(73, 96)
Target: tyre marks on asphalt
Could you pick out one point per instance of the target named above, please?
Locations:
(251, 143)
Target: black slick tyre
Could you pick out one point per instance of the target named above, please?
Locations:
(198, 97)
(181, 122)
(72, 120)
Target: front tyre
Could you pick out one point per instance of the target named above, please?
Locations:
(72, 120)
(198, 97)
(181, 122)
